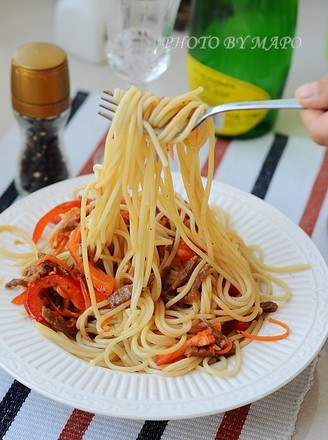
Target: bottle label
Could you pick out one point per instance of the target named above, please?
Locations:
(219, 89)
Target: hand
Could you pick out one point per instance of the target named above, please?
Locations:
(314, 96)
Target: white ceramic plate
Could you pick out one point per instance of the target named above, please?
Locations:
(47, 369)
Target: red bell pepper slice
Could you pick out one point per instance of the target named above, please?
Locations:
(65, 287)
(233, 291)
(184, 253)
(33, 302)
(103, 283)
(241, 326)
(53, 216)
(57, 261)
(19, 299)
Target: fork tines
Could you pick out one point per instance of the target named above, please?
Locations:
(110, 105)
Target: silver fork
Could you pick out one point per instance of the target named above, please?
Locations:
(216, 111)
(110, 105)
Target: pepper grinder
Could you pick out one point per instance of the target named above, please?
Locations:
(41, 103)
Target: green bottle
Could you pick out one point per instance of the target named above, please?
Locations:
(240, 50)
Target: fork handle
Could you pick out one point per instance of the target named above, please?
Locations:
(250, 105)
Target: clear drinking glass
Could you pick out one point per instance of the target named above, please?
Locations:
(136, 33)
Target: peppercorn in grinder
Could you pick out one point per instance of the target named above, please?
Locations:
(41, 103)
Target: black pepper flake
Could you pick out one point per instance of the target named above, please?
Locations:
(42, 161)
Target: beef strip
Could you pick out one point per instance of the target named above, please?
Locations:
(16, 282)
(193, 293)
(59, 324)
(217, 334)
(220, 339)
(221, 342)
(169, 292)
(182, 278)
(33, 273)
(185, 273)
(166, 296)
(161, 251)
(268, 306)
(120, 296)
(70, 220)
(164, 273)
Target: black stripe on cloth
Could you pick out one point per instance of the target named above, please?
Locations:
(269, 166)
(11, 404)
(152, 430)
(10, 194)
(76, 103)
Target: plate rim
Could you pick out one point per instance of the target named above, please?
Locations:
(167, 412)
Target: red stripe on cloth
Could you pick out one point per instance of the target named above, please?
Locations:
(76, 425)
(316, 198)
(232, 423)
(221, 146)
(94, 157)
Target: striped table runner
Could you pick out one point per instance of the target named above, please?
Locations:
(289, 173)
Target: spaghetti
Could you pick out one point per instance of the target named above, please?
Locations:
(158, 283)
